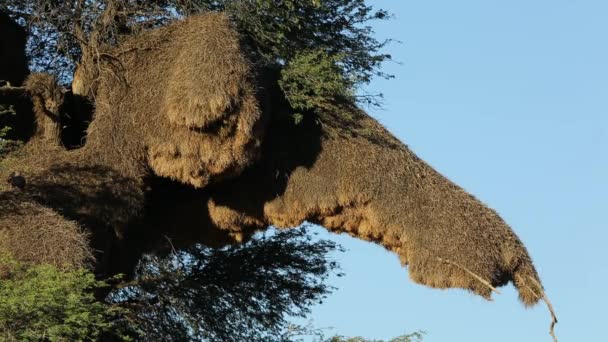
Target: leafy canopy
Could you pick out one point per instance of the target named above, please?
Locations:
(239, 293)
(42, 301)
(330, 40)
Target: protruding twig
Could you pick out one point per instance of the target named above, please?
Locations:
(471, 273)
(545, 299)
(550, 307)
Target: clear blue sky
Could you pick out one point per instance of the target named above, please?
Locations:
(509, 99)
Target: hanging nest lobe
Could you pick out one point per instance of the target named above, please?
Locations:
(377, 190)
(190, 108)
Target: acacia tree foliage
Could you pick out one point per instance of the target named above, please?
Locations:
(240, 293)
(5, 110)
(6, 146)
(41, 302)
(291, 36)
(413, 337)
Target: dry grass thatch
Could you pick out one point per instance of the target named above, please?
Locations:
(379, 192)
(179, 100)
(47, 98)
(64, 190)
(32, 233)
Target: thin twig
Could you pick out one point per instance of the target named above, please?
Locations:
(171, 244)
(553, 317)
(8, 89)
(471, 273)
(549, 306)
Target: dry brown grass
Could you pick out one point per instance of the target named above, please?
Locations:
(64, 190)
(381, 192)
(32, 233)
(178, 100)
(47, 98)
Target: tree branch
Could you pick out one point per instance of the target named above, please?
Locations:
(9, 90)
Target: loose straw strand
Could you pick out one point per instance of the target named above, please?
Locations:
(471, 273)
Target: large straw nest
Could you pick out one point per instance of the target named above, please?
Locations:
(178, 100)
(376, 189)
